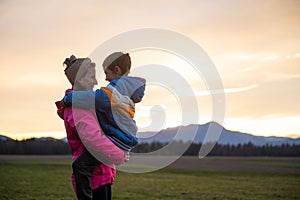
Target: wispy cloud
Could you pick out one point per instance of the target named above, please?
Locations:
(266, 127)
(271, 77)
(226, 90)
(254, 57)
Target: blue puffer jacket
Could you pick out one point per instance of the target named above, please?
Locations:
(114, 107)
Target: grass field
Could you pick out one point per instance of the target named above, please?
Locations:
(48, 177)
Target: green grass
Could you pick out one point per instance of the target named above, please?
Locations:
(51, 180)
(191, 184)
(35, 180)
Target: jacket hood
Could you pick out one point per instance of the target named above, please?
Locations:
(134, 87)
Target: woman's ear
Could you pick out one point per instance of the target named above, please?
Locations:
(78, 85)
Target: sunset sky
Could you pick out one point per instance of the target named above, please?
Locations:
(254, 45)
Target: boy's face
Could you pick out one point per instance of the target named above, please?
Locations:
(112, 74)
(88, 81)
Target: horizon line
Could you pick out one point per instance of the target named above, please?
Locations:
(62, 134)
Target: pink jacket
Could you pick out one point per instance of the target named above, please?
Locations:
(84, 123)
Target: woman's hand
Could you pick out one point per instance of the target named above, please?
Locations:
(127, 156)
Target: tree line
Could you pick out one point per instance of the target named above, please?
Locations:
(50, 147)
(193, 149)
(34, 147)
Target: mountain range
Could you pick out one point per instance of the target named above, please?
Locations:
(186, 133)
(197, 133)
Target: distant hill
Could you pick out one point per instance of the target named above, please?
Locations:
(45, 139)
(5, 138)
(184, 133)
(226, 137)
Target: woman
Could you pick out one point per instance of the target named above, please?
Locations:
(83, 130)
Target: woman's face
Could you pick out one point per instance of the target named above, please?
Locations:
(88, 81)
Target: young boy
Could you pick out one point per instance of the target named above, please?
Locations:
(115, 107)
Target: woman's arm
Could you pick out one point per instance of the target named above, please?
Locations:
(95, 142)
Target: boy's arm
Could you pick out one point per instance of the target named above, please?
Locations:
(87, 99)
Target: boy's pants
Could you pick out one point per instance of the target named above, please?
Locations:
(83, 169)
